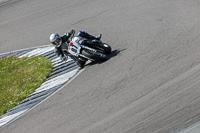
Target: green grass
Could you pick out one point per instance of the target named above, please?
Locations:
(19, 77)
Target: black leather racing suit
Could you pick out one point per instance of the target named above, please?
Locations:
(65, 40)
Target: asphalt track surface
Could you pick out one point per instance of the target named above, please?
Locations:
(149, 85)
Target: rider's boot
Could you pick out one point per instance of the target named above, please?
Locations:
(98, 37)
(88, 36)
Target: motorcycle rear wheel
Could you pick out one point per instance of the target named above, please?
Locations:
(107, 48)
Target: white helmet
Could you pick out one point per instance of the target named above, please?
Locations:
(55, 39)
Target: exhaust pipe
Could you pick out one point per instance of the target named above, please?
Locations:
(81, 55)
(91, 49)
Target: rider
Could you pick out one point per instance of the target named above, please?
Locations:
(58, 41)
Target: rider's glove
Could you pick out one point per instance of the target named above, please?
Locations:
(72, 32)
(69, 34)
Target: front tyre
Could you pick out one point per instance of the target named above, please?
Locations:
(81, 63)
(94, 56)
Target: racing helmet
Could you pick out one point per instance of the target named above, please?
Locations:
(55, 39)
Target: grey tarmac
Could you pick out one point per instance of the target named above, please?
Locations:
(149, 85)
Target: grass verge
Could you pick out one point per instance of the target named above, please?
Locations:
(19, 77)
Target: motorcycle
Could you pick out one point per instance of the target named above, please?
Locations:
(83, 50)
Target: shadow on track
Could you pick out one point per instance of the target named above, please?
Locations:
(111, 55)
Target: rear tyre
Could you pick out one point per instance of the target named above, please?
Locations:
(106, 48)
